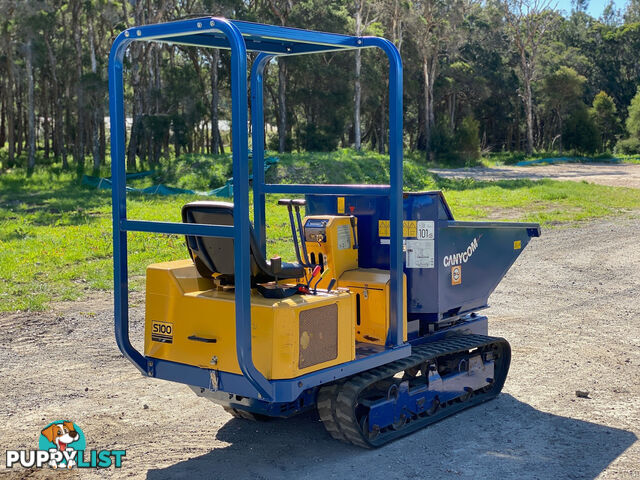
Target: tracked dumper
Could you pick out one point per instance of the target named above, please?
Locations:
(375, 324)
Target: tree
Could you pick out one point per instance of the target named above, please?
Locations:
(632, 12)
(528, 22)
(282, 9)
(633, 120)
(580, 132)
(435, 25)
(563, 92)
(363, 17)
(605, 116)
(611, 16)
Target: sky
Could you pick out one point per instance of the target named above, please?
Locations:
(595, 6)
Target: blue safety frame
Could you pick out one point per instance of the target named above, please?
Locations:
(269, 41)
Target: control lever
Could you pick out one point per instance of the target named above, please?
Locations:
(331, 284)
(314, 272)
(276, 267)
(289, 204)
(315, 285)
(294, 233)
(352, 219)
(297, 203)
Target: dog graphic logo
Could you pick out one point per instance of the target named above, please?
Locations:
(62, 436)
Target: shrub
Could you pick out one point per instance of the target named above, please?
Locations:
(580, 132)
(467, 139)
(628, 146)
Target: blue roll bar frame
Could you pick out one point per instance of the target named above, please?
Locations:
(270, 42)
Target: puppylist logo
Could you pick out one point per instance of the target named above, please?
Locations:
(62, 444)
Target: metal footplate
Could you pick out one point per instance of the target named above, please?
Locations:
(437, 380)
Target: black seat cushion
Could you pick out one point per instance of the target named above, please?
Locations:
(216, 255)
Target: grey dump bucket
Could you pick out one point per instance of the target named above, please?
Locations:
(452, 267)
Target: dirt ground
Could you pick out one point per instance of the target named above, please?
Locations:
(570, 308)
(612, 174)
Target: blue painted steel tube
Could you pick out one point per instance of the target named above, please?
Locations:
(257, 133)
(302, 189)
(201, 229)
(395, 153)
(240, 149)
(118, 178)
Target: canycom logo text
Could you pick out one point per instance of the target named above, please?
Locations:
(62, 444)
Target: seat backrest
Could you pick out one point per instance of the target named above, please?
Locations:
(215, 254)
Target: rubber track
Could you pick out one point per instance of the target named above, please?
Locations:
(246, 415)
(336, 402)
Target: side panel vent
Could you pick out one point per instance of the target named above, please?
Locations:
(318, 335)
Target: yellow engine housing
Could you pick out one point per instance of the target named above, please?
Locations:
(290, 337)
(371, 288)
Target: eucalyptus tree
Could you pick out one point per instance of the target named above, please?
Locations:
(528, 23)
(436, 31)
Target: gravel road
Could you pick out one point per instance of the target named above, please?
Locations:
(570, 308)
(612, 174)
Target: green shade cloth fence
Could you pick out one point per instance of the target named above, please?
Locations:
(160, 189)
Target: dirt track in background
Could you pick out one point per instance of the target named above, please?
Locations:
(569, 308)
(612, 174)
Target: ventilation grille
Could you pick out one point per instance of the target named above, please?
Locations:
(318, 335)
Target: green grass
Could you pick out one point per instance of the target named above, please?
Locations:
(55, 235)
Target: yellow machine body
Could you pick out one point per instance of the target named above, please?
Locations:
(190, 320)
(329, 242)
(370, 286)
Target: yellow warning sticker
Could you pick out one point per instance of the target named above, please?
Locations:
(517, 244)
(409, 228)
(456, 275)
(340, 204)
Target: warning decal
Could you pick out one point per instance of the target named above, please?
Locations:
(408, 228)
(420, 254)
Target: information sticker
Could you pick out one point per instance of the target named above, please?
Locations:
(344, 237)
(425, 230)
(420, 253)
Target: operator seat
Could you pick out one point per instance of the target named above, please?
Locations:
(215, 254)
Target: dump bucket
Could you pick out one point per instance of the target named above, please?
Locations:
(452, 267)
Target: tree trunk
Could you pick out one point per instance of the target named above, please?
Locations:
(45, 115)
(282, 105)
(560, 146)
(452, 111)
(11, 128)
(20, 119)
(528, 102)
(137, 59)
(78, 148)
(215, 94)
(429, 115)
(58, 109)
(31, 114)
(3, 115)
(95, 116)
(357, 96)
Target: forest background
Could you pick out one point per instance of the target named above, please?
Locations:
(481, 77)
